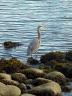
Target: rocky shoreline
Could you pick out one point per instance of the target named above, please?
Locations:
(51, 78)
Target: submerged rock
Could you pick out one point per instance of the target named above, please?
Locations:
(48, 89)
(10, 44)
(32, 61)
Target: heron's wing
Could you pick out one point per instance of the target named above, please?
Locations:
(33, 46)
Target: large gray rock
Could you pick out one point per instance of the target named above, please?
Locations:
(56, 76)
(5, 76)
(49, 89)
(33, 73)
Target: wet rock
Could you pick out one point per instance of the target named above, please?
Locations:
(5, 76)
(10, 44)
(12, 65)
(66, 89)
(33, 73)
(29, 81)
(67, 72)
(40, 81)
(57, 76)
(48, 89)
(23, 87)
(32, 61)
(68, 56)
(57, 56)
(29, 86)
(19, 77)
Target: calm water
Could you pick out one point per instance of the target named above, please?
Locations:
(19, 20)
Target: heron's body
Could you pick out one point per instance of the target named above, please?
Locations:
(35, 44)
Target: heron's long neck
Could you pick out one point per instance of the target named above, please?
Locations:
(38, 30)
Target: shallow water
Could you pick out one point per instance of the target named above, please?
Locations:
(68, 93)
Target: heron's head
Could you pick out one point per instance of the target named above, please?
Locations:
(41, 28)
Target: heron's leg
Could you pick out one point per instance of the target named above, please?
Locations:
(31, 55)
(36, 55)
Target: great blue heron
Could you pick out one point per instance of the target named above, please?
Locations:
(34, 44)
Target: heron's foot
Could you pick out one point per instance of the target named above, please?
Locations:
(36, 56)
(32, 61)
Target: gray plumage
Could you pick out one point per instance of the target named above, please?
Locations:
(35, 44)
